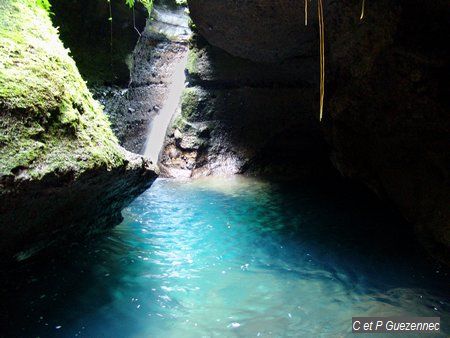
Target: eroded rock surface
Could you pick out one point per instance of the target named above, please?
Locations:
(66, 207)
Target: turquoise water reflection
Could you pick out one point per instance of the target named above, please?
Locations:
(233, 257)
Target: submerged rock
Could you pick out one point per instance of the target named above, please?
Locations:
(62, 173)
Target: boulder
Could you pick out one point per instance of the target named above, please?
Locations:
(62, 173)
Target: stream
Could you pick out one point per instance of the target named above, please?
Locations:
(231, 257)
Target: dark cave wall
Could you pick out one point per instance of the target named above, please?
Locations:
(388, 112)
(386, 115)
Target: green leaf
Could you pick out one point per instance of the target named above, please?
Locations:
(45, 4)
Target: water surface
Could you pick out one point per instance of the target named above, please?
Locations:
(233, 257)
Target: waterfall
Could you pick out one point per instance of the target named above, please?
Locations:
(158, 127)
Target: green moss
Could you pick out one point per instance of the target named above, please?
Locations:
(189, 103)
(192, 61)
(178, 123)
(48, 119)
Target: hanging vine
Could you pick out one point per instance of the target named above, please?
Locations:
(110, 34)
(321, 55)
(322, 47)
(362, 9)
(306, 12)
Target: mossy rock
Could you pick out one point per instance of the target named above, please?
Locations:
(49, 120)
(196, 104)
(189, 102)
(63, 175)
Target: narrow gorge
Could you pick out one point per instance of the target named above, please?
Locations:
(166, 169)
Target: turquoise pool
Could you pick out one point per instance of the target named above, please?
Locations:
(231, 257)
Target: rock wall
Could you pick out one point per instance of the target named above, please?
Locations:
(388, 115)
(264, 31)
(132, 109)
(242, 116)
(386, 107)
(62, 173)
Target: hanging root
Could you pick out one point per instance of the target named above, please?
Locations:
(322, 46)
(110, 34)
(322, 55)
(134, 23)
(362, 9)
(306, 12)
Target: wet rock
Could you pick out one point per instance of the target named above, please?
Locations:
(40, 215)
(161, 44)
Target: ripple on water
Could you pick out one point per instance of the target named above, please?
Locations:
(233, 257)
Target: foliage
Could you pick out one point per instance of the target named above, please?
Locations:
(148, 4)
(45, 4)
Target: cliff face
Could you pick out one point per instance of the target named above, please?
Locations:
(162, 43)
(386, 112)
(62, 172)
(240, 116)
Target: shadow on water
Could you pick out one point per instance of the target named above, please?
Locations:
(263, 253)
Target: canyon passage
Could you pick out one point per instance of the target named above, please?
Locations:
(208, 168)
